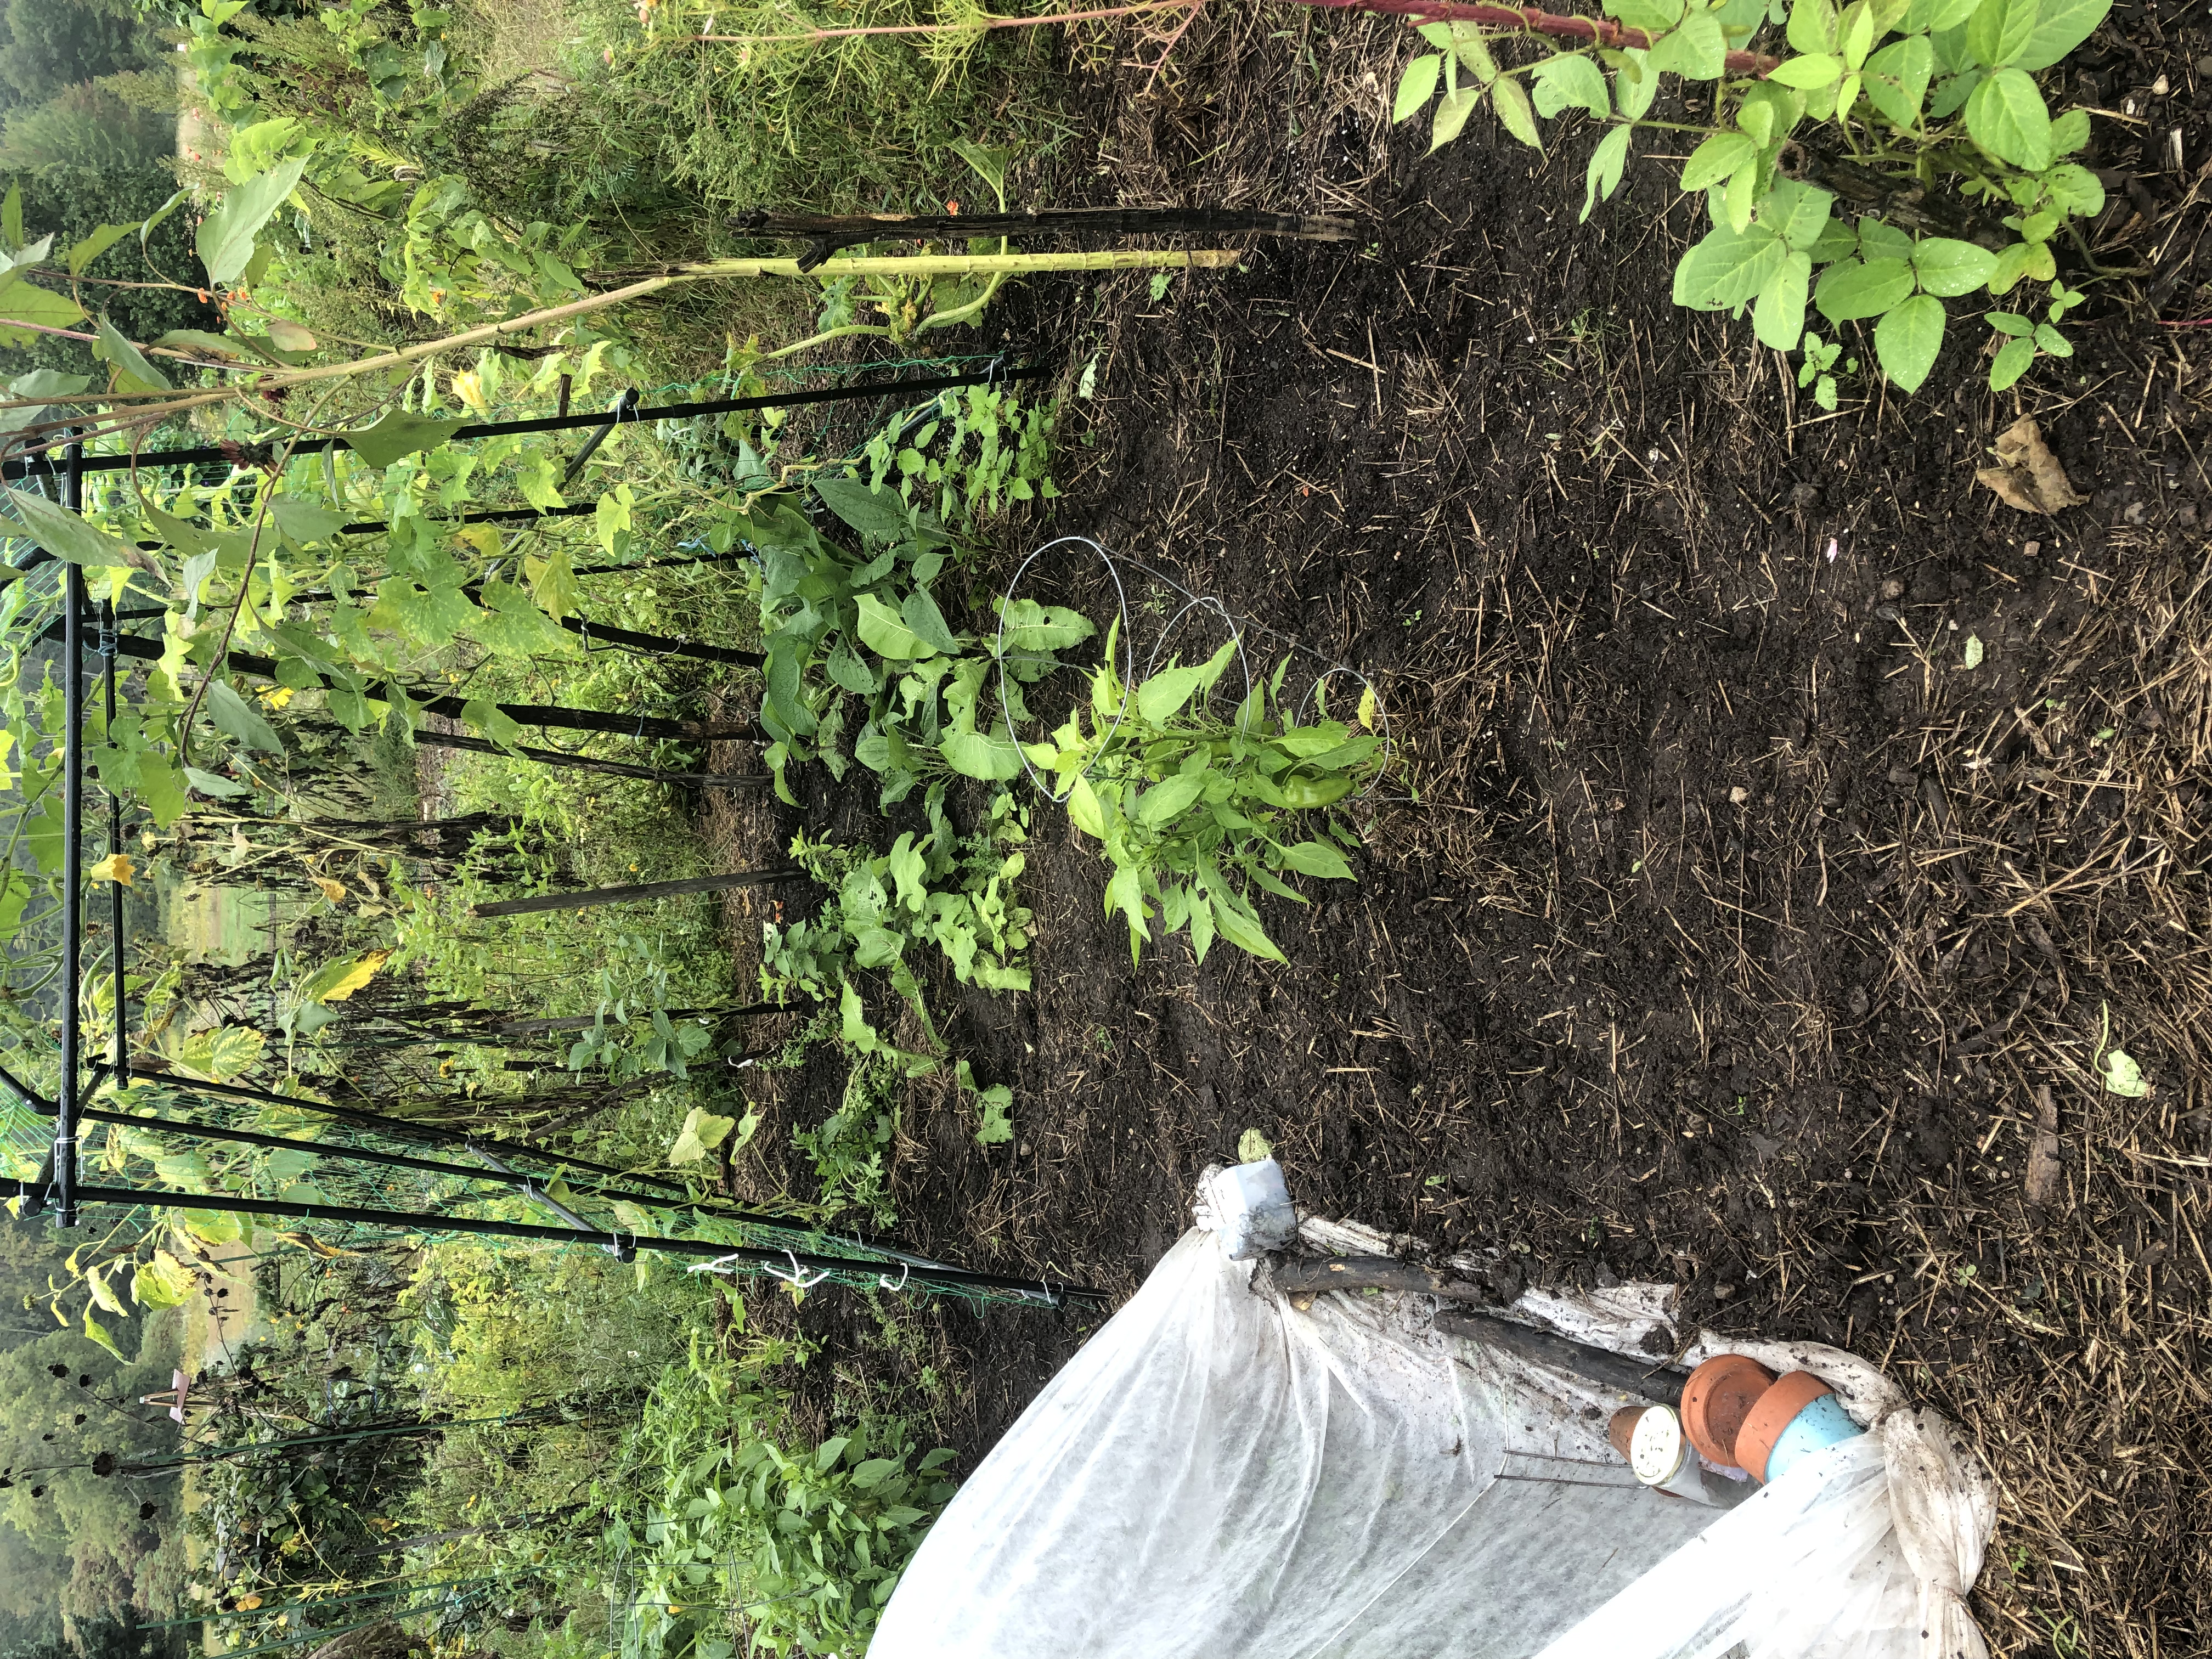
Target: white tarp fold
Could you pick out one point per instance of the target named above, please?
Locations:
(1220, 1475)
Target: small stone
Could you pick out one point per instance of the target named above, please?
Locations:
(2204, 68)
(2033, 549)
(1856, 1003)
(1805, 495)
(1892, 588)
(1738, 795)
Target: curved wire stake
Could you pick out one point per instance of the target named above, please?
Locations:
(1128, 659)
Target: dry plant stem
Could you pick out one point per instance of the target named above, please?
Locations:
(1601, 31)
(999, 265)
(1101, 15)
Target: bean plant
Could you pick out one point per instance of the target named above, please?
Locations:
(1902, 149)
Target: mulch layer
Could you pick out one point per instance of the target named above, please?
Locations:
(1785, 831)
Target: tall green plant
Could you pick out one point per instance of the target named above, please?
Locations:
(1924, 113)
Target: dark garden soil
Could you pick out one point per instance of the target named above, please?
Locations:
(1723, 926)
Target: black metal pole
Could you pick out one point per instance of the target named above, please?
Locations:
(433, 1166)
(434, 1133)
(122, 1061)
(73, 601)
(952, 1278)
(21, 468)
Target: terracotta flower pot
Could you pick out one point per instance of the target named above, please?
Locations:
(1776, 1410)
(1716, 1400)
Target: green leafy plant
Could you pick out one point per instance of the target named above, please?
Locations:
(1193, 810)
(1926, 111)
(717, 1507)
(1818, 369)
(982, 450)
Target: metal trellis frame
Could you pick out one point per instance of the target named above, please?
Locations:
(369, 1152)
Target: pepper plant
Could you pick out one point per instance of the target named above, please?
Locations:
(1194, 811)
(1901, 148)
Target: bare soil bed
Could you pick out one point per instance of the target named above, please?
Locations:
(1724, 926)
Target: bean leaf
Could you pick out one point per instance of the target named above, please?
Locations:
(225, 243)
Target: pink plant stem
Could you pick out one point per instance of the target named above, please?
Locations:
(1603, 31)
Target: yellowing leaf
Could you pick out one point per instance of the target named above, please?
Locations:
(1367, 707)
(333, 891)
(116, 868)
(484, 538)
(334, 981)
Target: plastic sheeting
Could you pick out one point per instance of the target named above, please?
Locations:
(1220, 1474)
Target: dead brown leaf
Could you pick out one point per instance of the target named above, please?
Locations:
(2027, 475)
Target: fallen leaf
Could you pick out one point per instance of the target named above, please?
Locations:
(333, 891)
(2027, 475)
(1971, 656)
(2123, 1076)
(115, 866)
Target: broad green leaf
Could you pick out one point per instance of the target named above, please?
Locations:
(1697, 50)
(1571, 81)
(93, 1329)
(1510, 100)
(1728, 268)
(1999, 31)
(1317, 858)
(1718, 158)
(401, 432)
(511, 625)
(234, 717)
(39, 383)
(921, 616)
(1853, 289)
(2060, 26)
(289, 335)
(2007, 117)
(1946, 266)
(2011, 363)
(2049, 342)
(1417, 86)
(214, 784)
(1906, 340)
(1812, 26)
(25, 301)
(880, 512)
(2069, 133)
(702, 1133)
(884, 632)
(981, 755)
(1779, 317)
(1169, 798)
(225, 242)
(2012, 264)
(1162, 696)
(1029, 626)
(163, 1282)
(554, 587)
(1855, 33)
(2006, 322)
(102, 239)
(1635, 85)
(1879, 240)
(1737, 197)
(1939, 16)
(1809, 73)
(1242, 928)
(1797, 212)
(1652, 17)
(1757, 119)
(2072, 188)
(494, 722)
(1897, 78)
(1452, 111)
(11, 218)
(303, 523)
(68, 537)
(1606, 164)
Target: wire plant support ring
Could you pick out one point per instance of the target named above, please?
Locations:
(373, 1176)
